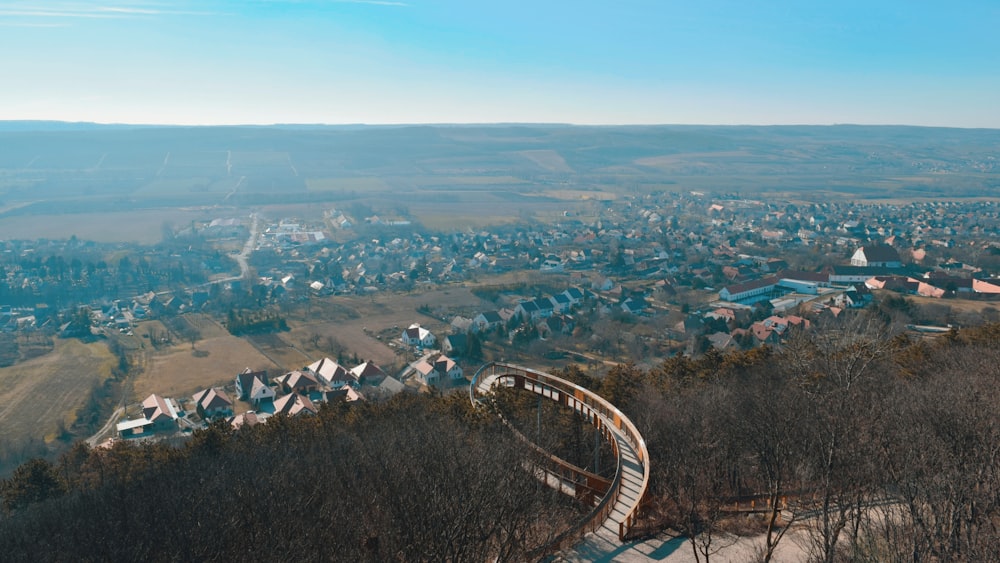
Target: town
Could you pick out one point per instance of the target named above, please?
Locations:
(642, 279)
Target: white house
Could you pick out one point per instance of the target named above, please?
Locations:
(487, 321)
(435, 365)
(416, 335)
(332, 374)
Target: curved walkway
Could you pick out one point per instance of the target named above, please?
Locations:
(615, 513)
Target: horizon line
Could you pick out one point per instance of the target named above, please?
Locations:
(475, 124)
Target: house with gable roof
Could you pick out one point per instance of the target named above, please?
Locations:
(368, 373)
(575, 295)
(434, 366)
(160, 412)
(487, 321)
(877, 256)
(332, 374)
(294, 405)
(297, 381)
(455, 344)
(416, 335)
(527, 310)
(212, 403)
(253, 386)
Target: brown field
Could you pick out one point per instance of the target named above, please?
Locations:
(180, 371)
(142, 226)
(35, 395)
(285, 354)
(958, 306)
(355, 321)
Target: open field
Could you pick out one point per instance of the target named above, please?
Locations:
(115, 185)
(36, 394)
(180, 371)
(142, 226)
(355, 321)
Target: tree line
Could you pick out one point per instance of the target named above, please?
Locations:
(873, 445)
(415, 479)
(879, 447)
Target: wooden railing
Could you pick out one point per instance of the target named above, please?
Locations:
(601, 414)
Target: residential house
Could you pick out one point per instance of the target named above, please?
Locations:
(455, 344)
(297, 381)
(245, 383)
(213, 403)
(634, 305)
(346, 394)
(368, 373)
(527, 310)
(416, 335)
(332, 374)
(294, 405)
(432, 367)
(487, 321)
(160, 412)
(560, 303)
(545, 307)
(575, 295)
(556, 324)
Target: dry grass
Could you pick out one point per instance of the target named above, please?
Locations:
(139, 226)
(355, 321)
(35, 395)
(180, 371)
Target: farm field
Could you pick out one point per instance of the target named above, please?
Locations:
(35, 395)
(180, 370)
(140, 226)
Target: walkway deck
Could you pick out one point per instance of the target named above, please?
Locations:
(615, 514)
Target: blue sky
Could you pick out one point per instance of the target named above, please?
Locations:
(916, 62)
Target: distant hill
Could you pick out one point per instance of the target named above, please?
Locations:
(48, 167)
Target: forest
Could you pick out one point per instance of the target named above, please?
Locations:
(878, 445)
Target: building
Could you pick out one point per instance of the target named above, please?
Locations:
(434, 366)
(294, 405)
(213, 403)
(160, 412)
(332, 374)
(750, 289)
(416, 335)
(245, 381)
(876, 255)
(297, 381)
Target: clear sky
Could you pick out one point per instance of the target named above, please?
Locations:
(915, 62)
